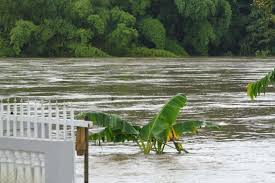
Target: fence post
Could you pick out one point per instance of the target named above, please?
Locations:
(86, 157)
(1, 120)
(82, 148)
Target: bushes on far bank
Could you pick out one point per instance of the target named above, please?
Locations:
(150, 52)
(174, 47)
(126, 27)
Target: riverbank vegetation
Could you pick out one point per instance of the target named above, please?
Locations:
(149, 28)
(161, 131)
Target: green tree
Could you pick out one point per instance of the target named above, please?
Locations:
(119, 16)
(81, 8)
(153, 31)
(121, 40)
(97, 24)
(150, 27)
(260, 34)
(206, 22)
(22, 34)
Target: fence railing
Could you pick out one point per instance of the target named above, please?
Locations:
(33, 120)
(37, 119)
(22, 167)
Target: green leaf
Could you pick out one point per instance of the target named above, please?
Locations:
(191, 126)
(187, 127)
(258, 87)
(116, 129)
(113, 122)
(162, 123)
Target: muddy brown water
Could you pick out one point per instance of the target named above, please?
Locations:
(242, 151)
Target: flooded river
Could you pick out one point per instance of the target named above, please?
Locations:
(242, 151)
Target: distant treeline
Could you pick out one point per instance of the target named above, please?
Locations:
(165, 28)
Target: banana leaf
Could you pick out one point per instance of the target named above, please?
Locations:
(116, 129)
(256, 88)
(191, 126)
(113, 122)
(163, 122)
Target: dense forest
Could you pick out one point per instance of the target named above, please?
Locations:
(165, 28)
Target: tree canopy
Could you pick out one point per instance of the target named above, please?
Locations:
(96, 28)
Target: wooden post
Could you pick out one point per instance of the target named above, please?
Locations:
(81, 141)
(86, 157)
(82, 147)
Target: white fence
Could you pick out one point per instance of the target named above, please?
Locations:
(22, 167)
(33, 120)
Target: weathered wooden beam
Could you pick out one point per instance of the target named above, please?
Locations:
(86, 157)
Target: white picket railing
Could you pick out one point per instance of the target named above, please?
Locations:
(22, 167)
(36, 120)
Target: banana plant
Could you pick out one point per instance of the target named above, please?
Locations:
(158, 131)
(153, 136)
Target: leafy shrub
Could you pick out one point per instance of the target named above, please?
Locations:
(57, 34)
(21, 34)
(228, 54)
(147, 52)
(87, 51)
(97, 23)
(175, 47)
(121, 39)
(154, 31)
(3, 42)
(119, 16)
(81, 8)
(7, 52)
(196, 9)
(222, 20)
(139, 6)
(262, 53)
(84, 35)
(273, 50)
(273, 19)
(200, 37)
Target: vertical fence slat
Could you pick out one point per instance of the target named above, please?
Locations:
(11, 166)
(19, 167)
(29, 119)
(28, 168)
(36, 166)
(35, 124)
(1, 119)
(65, 121)
(72, 124)
(21, 118)
(14, 126)
(49, 119)
(43, 121)
(3, 166)
(8, 118)
(42, 161)
(57, 124)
